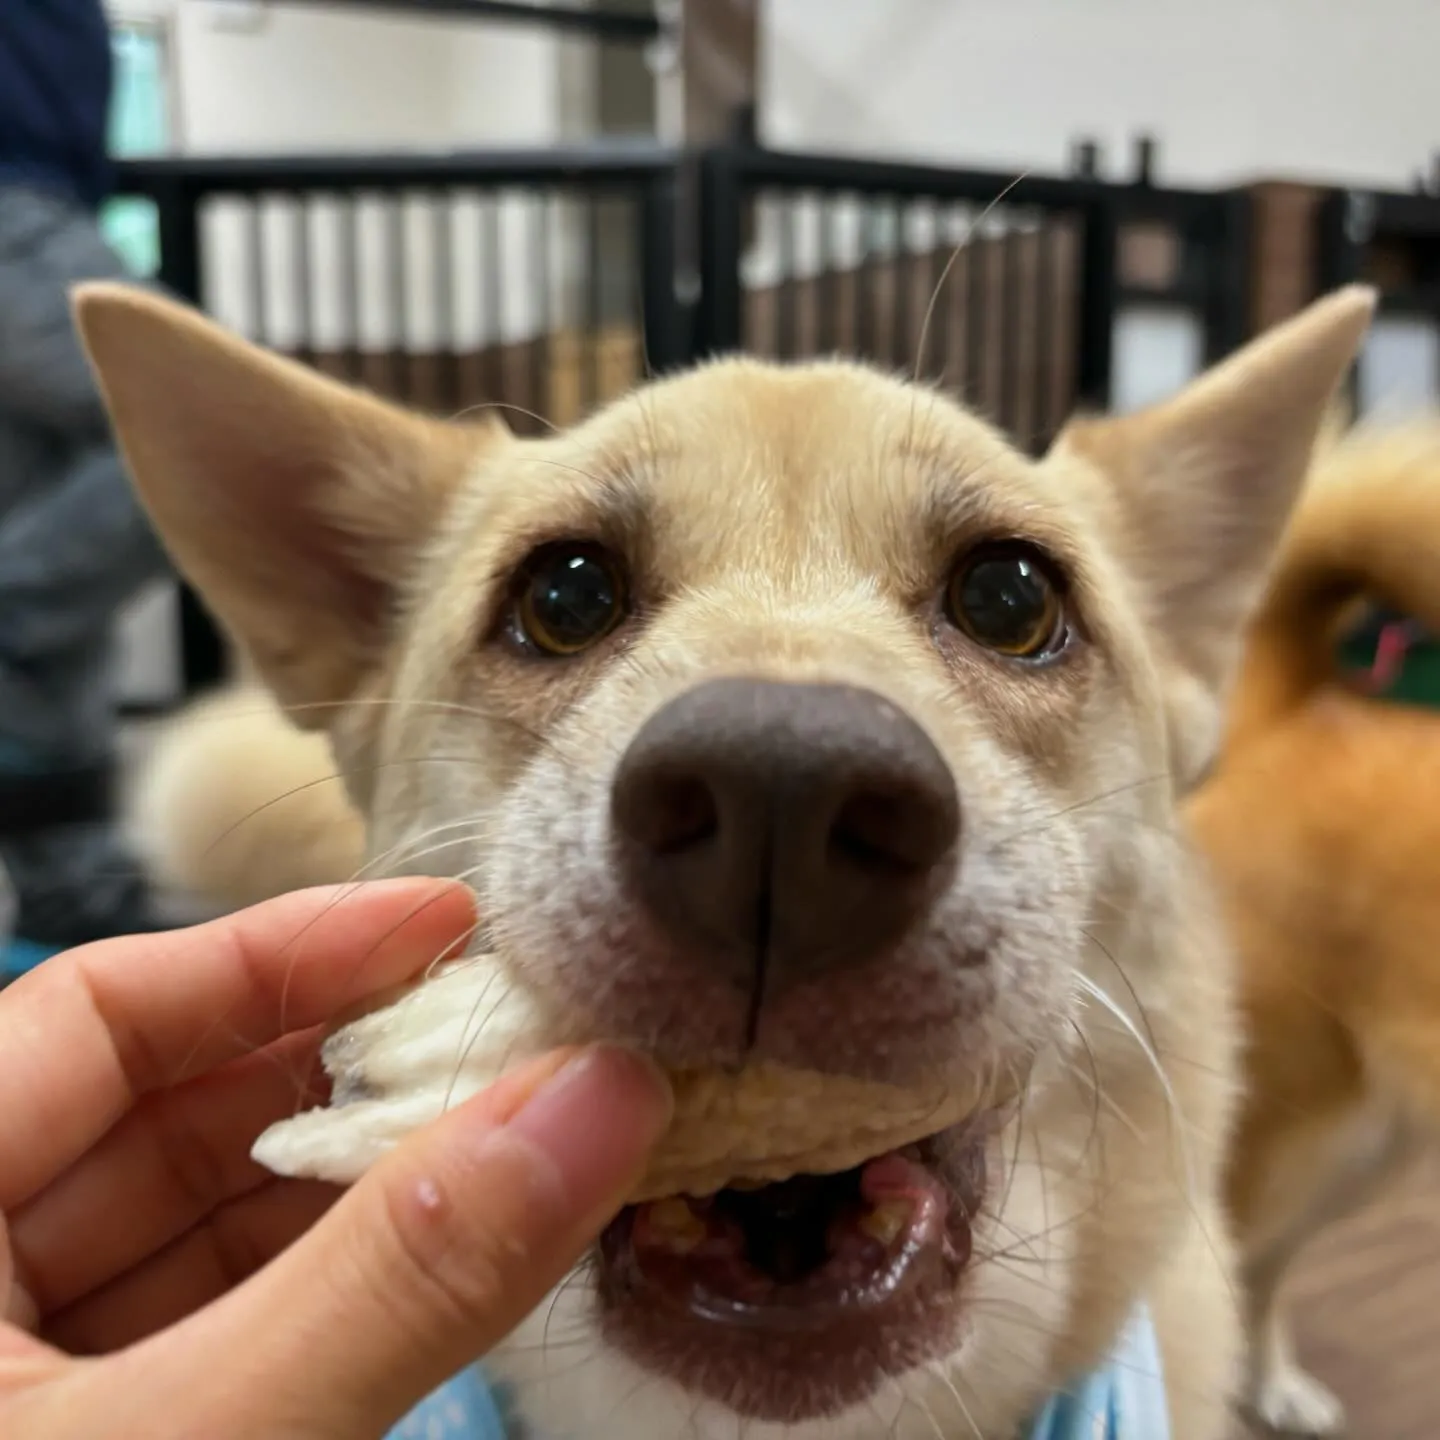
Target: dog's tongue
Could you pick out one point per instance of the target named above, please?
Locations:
(800, 1253)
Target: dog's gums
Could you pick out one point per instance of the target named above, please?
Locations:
(826, 749)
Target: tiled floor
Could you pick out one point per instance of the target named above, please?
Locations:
(1367, 1310)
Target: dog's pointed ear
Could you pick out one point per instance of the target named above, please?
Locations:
(296, 506)
(1199, 490)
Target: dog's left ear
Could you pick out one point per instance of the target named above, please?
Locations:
(299, 508)
(1201, 487)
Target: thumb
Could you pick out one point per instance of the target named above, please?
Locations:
(18, 1348)
(442, 1249)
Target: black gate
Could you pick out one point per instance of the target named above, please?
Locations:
(1390, 240)
(545, 281)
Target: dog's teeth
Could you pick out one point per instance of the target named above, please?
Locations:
(675, 1226)
(887, 1223)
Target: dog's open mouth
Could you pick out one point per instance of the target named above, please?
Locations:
(800, 1297)
(796, 1255)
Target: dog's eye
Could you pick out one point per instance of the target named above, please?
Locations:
(570, 597)
(1006, 598)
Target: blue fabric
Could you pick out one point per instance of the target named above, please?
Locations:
(56, 72)
(464, 1408)
(21, 955)
(1123, 1400)
(17, 759)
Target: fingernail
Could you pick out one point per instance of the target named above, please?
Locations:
(596, 1121)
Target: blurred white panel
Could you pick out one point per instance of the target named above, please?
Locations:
(1157, 348)
(1400, 366)
(148, 663)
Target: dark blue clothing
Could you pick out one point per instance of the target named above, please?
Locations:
(55, 80)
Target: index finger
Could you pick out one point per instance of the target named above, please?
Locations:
(86, 1033)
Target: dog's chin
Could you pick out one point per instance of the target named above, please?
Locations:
(796, 1300)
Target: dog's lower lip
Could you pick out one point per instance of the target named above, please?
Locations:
(877, 1232)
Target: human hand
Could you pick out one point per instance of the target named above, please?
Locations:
(211, 1298)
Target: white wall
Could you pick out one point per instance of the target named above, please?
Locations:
(310, 80)
(1234, 88)
(1336, 89)
(264, 77)
(506, 86)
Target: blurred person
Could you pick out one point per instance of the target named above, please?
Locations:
(74, 542)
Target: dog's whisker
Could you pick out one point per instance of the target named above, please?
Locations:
(408, 853)
(1119, 969)
(333, 778)
(964, 243)
(381, 940)
(937, 1370)
(480, 407)
(1106, 1002)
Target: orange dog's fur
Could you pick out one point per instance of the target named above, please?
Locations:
(1322, 823)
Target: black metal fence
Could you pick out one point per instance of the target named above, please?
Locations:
(539, 280)
(546, 281)
(596, 21)
(1004, 290)
(1000, 290)
(1391, 240)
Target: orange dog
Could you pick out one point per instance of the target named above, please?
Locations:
(1322, 823)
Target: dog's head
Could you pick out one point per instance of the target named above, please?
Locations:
(791, 715)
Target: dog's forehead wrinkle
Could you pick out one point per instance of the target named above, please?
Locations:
(798, 420)
(561, 481)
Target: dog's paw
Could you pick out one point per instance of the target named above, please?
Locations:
(1293, 1403)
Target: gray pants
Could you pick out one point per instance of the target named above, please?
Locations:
(74, 543)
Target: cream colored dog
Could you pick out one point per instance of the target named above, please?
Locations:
(790, 716)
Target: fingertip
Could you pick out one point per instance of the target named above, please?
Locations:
(636, 1083)
(421, 921)
(429, 890)
(595, 1122)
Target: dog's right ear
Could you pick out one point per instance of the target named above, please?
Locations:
(296, 506)
(1203, 485)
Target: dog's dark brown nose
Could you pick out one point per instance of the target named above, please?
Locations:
(784, 829)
